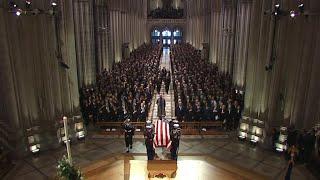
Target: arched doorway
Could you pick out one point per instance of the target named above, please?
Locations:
(155, 36)
(177, 36)
(166, 38)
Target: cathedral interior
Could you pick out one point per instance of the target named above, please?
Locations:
(159, 89)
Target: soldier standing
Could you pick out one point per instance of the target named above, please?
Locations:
(148, 136)
(175, 138)
(128, 133)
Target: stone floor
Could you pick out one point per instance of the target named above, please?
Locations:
(273, 165)
(169, 98)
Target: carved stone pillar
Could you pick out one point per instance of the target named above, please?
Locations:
(244, 9)
(83, 15)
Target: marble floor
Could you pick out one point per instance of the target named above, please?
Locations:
(169, 98)
(228, 150)
(135, 167)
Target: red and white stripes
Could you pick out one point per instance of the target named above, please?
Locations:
(162, 137)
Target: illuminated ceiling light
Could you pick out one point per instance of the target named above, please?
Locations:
(28, 4)
(18, 12)
(53, 3)
(277, 9)
(292, 14)
(12, 4)
(301, 8)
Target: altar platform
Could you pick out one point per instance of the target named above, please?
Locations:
(134, 167)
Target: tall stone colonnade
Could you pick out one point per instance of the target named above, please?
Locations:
(45, 59)
(242, 42)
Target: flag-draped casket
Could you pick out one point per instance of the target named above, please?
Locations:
(162, 137)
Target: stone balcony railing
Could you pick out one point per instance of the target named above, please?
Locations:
(166, 21)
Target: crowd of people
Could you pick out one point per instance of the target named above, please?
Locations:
(124, 91)
(201, 92)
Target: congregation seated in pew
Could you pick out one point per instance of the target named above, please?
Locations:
(201, 92)
(124, 91)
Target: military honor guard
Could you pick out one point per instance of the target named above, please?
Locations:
(175, 134)
(148, 136)
(128, 134)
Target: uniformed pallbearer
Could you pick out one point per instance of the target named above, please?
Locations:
(128, 133)
(175, 138)
(148, 136)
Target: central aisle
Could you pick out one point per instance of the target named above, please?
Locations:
(169, 98)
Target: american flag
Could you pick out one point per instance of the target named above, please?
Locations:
(162, 137)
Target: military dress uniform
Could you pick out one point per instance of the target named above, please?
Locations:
(128, 134)
(148, 136)
(175, 138)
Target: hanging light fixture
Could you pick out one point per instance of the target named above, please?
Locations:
(301, 8)
(276, 9)
(292, 14)
(28, 4)
(12, 5)
(18, 12)
(54, 3)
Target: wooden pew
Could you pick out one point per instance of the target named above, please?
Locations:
(110, 128)
(190, 128)
(212, 127)
(141, 126)
(116, 128)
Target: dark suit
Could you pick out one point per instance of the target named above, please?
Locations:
(190, 114)
(180, 113)
(199, 113)
(237, 117)
(148, 135)
(128, 134)
(229, 119)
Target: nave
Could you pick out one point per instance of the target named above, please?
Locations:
(213, 156)
(153, 83)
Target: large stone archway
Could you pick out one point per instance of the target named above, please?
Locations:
(166, 24)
